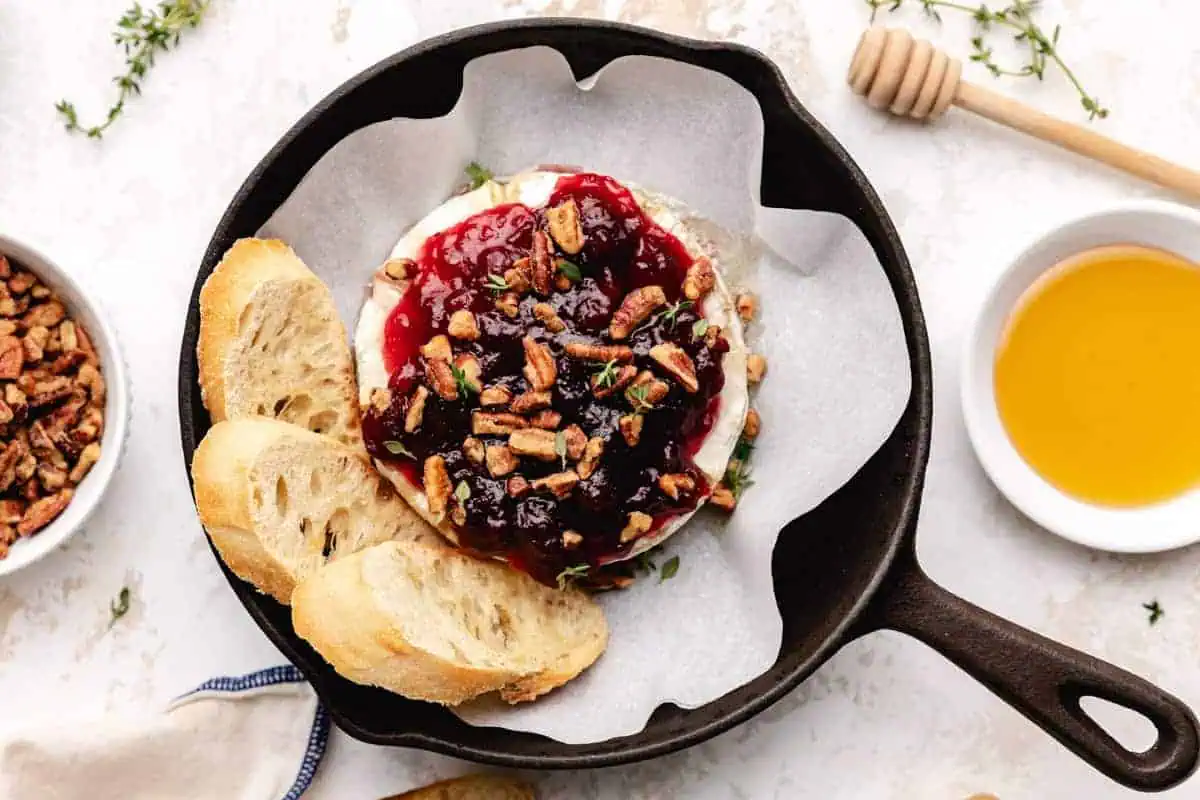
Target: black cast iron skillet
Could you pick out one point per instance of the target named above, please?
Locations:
(842, 571)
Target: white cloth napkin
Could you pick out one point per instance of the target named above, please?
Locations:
(257, 737)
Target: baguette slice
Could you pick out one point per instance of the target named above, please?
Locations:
(271, 343)
(428, 622)
(279, 501)
(471, 787)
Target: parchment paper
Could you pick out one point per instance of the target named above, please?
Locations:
(829, 326)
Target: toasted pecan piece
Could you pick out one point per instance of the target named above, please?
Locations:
(90, 427)
(527, 402)
(34, 343)
(42, 512)
(645, 391)
(675, 484)
(576, 441)
(591, 457)
(571, 540)
(546, 420)
(437, 349)
(752, 425)
(674, 360)
(747, 306)
(533, 442)
(437, 484)
(12, 356)
(495, 423)
(638, 524)
(11, 511)
(462, 325)
(621, 378)
(509, 303)
(495, 396)
(519, 276)
(380, 399)
(700, 279)
(599, 352)
(517, 486)
(474, 450)
(21, 282)
(634, 309)
(539, 369)
(468, 366)
(560, 484)
(46, 314)
(549, 317)
(398, 269)
(563, 222)
(500, 460)
(631, 428)
(87, 459)
(541, 263)
(441, 378)
(51, 477)
(416, 409)
(723, 498)
(712, 335)
(756, 367)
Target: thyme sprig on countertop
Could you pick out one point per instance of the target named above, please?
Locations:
(141, 33)
(1017, 16)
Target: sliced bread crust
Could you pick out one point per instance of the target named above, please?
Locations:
(271, 343)
(428, 622)
(279, 501)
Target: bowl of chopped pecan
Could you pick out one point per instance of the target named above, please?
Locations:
(64, 405)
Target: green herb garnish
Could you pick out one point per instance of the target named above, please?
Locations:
(465, 385)
(496, 283)
(141, 33)
(462, 492)
(1017, 16)
(737, 477)
(1156, 611)
(638, 398)
(478, 174)
(570, 573)
(669, 568)
(671, 312)
(607, 376)
(119, 607)
(699, 328)
(743, 449)
(398, 449)
(570, 270)
(560, 447)
(644, 562)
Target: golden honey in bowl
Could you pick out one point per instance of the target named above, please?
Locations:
(1097, 376)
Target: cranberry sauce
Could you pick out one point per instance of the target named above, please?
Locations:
(623, 250)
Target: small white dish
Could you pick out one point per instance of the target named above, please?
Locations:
(1146, 529)
(116, 412)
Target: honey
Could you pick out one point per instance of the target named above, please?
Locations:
(1097, 376)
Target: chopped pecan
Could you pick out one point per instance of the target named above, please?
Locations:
(90, 377)
(468, 367)
(539, 364)
(591, 457)
(5, 268)
(437, 484)
(51, 477)
(34, 343)
(752, 425)
(437, 349)
(571, 540)
(547, 420)
(631, 428)
(40, 441)
(500, 460)
(723, 498)
(42, 512)
(638, 524)
(6, 413)
(12, 356)
(68, 413)
(7, 327)
(9, 458)
(674, 360)
(711, 336)
(14, 396)
(561, 281)
(495, 423)
(516, 486)
(700, 279)
(495, 396)
(47, 314)
(747, 306)
(463, 326)
(533, 442)
(675, 484)
(634, 309)
(621, 378)
(519, 276)
(416, 409)
(576, 441)
(474, 450)
(563, 222)
(756, 368)
(549, 317)
(66, 336)
(40, 292)
(441, 377)
(380, 399)
(66, 362)
(398, 269)
(85, 343)
(541, 263)
(26, 467)
(599, 352)
(560, 484)
(30, 491)
(90, 428)
(11, 511)
(8, 306)
(21, 282)
(509, 303)
(530, 401)
(50, 391)
(87, 459)
(645, 391)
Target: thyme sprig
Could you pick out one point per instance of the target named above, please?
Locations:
(142, 33)
(1017, 16)
(607, 375)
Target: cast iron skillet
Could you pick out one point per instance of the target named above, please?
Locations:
(842, 571)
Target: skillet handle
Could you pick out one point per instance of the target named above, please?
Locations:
(1042, 679)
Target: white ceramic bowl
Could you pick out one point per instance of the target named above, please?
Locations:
(116, 412)
(1145, 529)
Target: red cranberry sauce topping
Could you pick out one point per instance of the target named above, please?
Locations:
(623, 250)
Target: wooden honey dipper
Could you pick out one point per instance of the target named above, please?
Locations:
(912, 78)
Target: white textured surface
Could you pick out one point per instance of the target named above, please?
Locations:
(885, 719)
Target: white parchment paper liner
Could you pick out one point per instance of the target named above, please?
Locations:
(829, 326)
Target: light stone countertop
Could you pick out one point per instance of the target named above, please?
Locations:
(885, 719)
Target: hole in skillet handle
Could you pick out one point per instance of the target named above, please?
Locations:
(1043, 679)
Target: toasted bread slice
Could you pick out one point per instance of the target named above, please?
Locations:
(472, 787)
(428, 622)
(271, 343)
(279, 501)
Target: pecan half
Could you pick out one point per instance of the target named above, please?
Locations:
(675, 484)
(642, 399)
(591, 457)
(599, 352)
(539, 365)
(549, 317)
(66, 336)
(42, 512)
(723, 498)
(533, 442)
(638, 524)
(495, 396)
(674, 360)
(547, 420)
(437, 484)
(50, 391)
(509, 303)
(21, 282)
(468, 365)
(463, 326)
(752, 425)
(576, 441)
(90, 427)
(34, 343)
(541, 263)
(622, 378)
(700, 279)
(11, 511)
(51, 477)
(500, 460)
(47, 314)
(560, 484)
(66, 362)
(517, 486)
(416, 409)
(631, 428)
(571, 540)
(634, 309)
(26, 467)
(437, 349)
(12, 355)
(441, 378)
(519, 276)
(495, 423)
(527, 402)
(87, 459)
(747, 306)
(756, 368)
(563, 221)
(9, 459)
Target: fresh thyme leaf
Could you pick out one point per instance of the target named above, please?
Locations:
(141, 33)
(699, 328)
(644, 562)
(398, 449)
(462, 492)
(1016, 16)
(737, 477)
(478, 174)
(567, 575)
(560, 447)
(672, 311)
(638, 397)
(1156, 611)
(607, 376)
(571, 270)
(743, 449)
(465, 387)
(669, 568)
(119, 607)
(496, 283)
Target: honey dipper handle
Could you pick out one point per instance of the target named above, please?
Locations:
(1077, 139)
